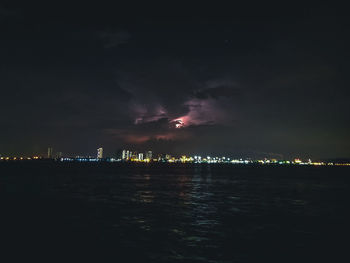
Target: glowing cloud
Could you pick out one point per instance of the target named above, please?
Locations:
(201, 112)
(179, 123)
(144, 114)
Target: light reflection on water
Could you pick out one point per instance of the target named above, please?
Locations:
(204, 213)
(198, 210)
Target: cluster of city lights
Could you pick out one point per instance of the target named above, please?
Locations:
(15, 158)
(206, 160)
(148, 156)
(129, 156)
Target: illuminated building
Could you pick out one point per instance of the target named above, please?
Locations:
(49, 152)
(297, 161)
(149, 155)
(125, 154)
(99, 153)
(140, 157)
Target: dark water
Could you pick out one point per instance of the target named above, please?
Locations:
(178, 213)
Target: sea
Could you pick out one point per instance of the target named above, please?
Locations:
(119, 212)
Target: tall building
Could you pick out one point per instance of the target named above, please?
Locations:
(149, 155)
(49, 152)
(125, 154)
(140, 157)
(99, 153)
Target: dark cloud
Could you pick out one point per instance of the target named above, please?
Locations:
(254, 83)
(217, 92)
(218, 89)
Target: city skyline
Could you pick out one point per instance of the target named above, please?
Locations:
(101, 153)
(127, 155)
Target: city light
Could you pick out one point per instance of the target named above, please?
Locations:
(134, 156)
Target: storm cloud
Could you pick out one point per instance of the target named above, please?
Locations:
(240, 84)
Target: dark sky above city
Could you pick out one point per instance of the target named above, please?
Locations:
(257, 80)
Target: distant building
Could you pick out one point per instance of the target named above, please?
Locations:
(49, 152)
(99, 153)
(149, 155)
(140, 156)
(125, 154)
(59, 155)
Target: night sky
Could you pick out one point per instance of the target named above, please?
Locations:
(244, 80)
